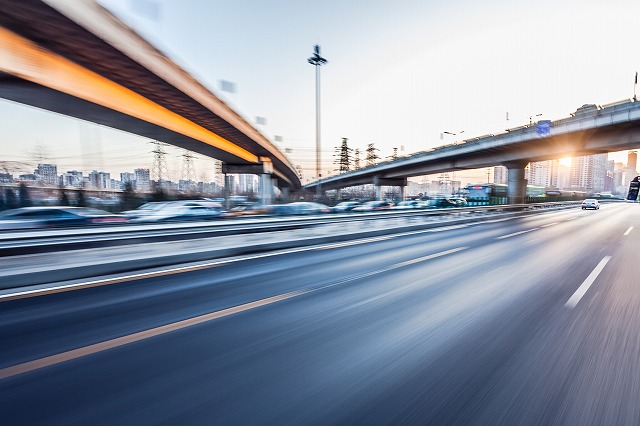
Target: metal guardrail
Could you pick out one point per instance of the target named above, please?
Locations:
(39, 241)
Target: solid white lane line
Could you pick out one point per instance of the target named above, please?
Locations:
(548, 224)
(448, 228)
(628, 231)
(573, 300)
(428, 257)
(164, 329)
(516, 233)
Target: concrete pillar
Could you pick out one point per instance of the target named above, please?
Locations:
(227, 191)
(378, 192)
(403, 192)
(286, 195)
(517, 184)
(378, 182)
(266, 191)
(264, 169)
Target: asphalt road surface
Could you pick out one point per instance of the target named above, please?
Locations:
(531, 320)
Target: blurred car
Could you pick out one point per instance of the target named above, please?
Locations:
(53, 216)
(183, 211)
(443, 202)
(412, 204)
(145, 209)
(344, 206)
(590, 203)
(299, 208)
(249, 209)
(370, 206)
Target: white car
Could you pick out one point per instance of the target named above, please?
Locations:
(590, 203)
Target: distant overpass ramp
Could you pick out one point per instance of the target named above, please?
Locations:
(591, 129)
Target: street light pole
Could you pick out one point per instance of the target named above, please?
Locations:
(317, 61)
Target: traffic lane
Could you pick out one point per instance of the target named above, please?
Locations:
(92, 315)
(301, 358)
(582, 368)
(57, 323)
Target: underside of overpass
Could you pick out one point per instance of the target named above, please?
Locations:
(76, 59)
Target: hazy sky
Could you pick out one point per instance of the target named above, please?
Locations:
(399, 74)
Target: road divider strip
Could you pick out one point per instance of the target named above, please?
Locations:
(582, 290)
(62, 357)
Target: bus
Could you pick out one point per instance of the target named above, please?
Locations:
(495, 193)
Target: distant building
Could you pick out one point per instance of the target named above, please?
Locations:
(544, 173)
(142, 180)
(72, 178)
(500, 175)
(609, 182)
(632, 160)
(47, 174)
(246, 184)
(588, 172)
(28, 177)
(6, 177)
(127, 177)
(100, 180)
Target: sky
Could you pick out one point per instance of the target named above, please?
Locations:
(399, 74)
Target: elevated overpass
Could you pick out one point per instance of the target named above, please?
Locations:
(591, 129)
(77, 59)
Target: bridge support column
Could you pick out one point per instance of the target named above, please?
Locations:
(226, 193)
(264, 170)
(379, 182)
(516, 183)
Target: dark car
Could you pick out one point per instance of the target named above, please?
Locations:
(44, 217)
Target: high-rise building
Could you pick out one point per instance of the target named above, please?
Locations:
(47, 174)
(630, 172)
(588, 172)
(544, 173)
(609, 183)
(500, 175)
(142, 179)
(632, 160)
(246, 184)
(618, 177)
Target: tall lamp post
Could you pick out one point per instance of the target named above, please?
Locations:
(317, 61)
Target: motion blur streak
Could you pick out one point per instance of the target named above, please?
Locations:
(69, 355)
(369, 334)
(88, 350)
(24, 59)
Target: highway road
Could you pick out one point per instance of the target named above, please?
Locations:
(530, 320)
